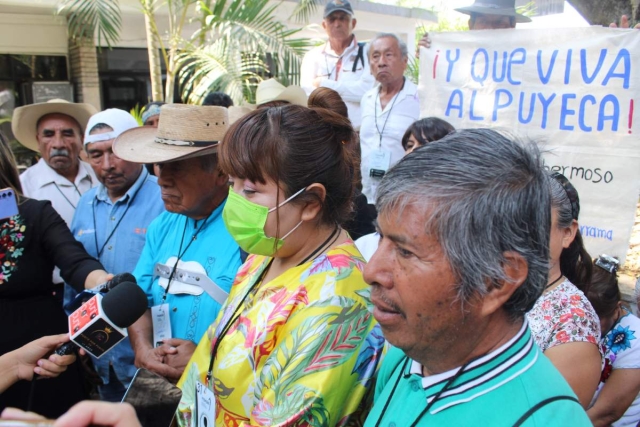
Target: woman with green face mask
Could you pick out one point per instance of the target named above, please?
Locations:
(295, 343)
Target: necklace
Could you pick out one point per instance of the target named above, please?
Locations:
(554, 282)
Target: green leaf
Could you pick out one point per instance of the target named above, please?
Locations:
(92, 18)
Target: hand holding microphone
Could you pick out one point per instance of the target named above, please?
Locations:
(100, 323)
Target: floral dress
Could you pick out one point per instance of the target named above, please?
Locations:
(621, 349)
(302, 352)
(563, 315)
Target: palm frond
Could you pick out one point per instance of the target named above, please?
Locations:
(303, 11)
(240, 34)
(90, 18)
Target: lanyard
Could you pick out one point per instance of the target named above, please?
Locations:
(181, 252)
(95, 228)
(448, 384)
(375, 111)
(338, 62)
(65, 197)
(236, 312)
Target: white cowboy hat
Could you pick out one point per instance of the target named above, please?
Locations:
(25, 119)
(184, 131)
(272, 90)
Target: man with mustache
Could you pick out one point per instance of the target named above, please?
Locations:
(111, 222)
(55, 129)
(464, 227)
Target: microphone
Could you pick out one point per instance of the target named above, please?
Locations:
(100, 323)
(87, 294)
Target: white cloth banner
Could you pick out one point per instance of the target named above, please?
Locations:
(574, 91)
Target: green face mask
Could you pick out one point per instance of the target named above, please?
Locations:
(245, 222)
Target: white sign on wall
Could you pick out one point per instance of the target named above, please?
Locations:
(574, 91)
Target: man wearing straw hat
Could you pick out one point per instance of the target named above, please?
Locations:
(55, 129)
(189, 259)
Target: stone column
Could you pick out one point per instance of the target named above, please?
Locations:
(83, 62)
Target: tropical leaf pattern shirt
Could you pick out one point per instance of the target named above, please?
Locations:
(302, 352)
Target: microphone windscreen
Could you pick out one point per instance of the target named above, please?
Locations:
(124, 304)
(120, 278)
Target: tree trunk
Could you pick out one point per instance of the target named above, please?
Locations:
(171, 78)
(604, 12)
(154, 59)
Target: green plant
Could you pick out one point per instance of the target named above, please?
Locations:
(87, 18)
(136, 112)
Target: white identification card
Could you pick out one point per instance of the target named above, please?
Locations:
(161, 323)
(205, 406)
(380, 160)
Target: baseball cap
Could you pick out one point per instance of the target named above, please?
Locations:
(118, 120)
(338, 6)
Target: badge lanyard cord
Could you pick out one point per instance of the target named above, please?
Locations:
(375, 115)
(99, 250)
(448, 384)
(181, 252)
(65, 197)
(236, 313)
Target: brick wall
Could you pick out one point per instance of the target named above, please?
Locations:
(84, 72)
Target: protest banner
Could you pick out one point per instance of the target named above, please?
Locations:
(574, 91)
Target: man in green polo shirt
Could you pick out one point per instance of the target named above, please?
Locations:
(464, 225)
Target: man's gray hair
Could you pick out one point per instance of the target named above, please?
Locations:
(401, 44)
(482, 194)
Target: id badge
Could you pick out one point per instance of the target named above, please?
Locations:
(205, 406)
(161, 323)
(379, 163)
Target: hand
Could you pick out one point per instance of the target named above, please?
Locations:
(18, 414)
(624, 23)
(178, 353)
(89, 413)
(153, 360)
(318, 80)
(425, 42)
(31, 358)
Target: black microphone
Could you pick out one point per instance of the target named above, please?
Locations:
(100, 323)
(115, 281)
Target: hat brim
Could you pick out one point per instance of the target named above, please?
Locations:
(292, 94)
(520, 19)
(138, 146)
(25, 119)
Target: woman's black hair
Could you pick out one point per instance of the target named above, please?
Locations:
(427, 130)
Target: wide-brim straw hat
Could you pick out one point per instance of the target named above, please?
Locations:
(494, 7)
(236, 113)
(272, 90)
(184, 131)
(25, 119)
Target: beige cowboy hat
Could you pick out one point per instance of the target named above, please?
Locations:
(25, 119)
(272, 90)
(236, 113)
(184, 131)
(494, 7)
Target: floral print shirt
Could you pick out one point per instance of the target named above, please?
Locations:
(301, 350)
(11, 237)
(621, 349)
(563, 315)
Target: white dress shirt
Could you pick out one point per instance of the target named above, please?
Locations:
(383, 129)
(41, 182)
(337, 70)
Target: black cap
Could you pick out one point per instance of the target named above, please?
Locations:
(124, 304)
(338, 6)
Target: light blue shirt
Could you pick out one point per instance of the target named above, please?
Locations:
(130, 217)
(213, 251)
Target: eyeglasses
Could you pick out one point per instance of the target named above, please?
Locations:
(572, 193)
(608, 263)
